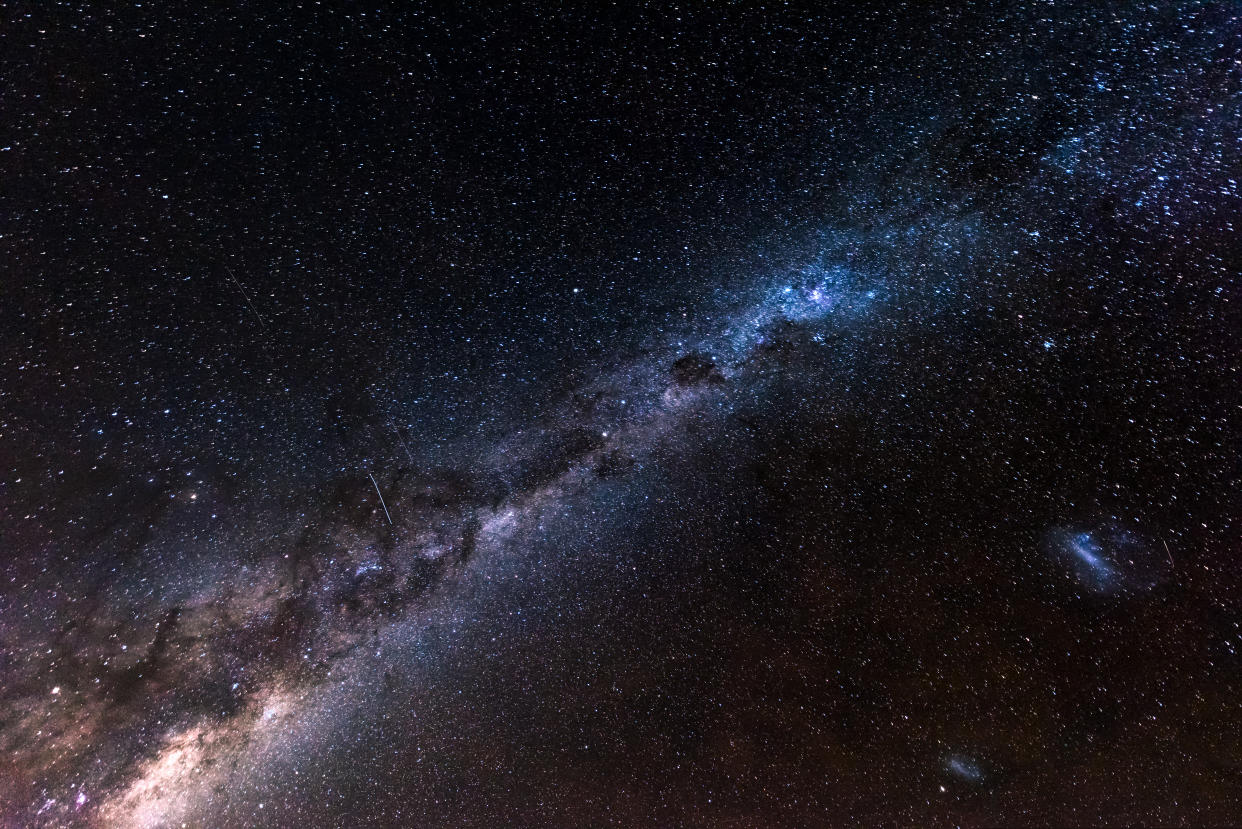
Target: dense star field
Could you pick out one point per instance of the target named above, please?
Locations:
(635, 415)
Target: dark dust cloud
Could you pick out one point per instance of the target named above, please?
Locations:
(635, 415)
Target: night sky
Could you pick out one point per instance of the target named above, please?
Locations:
(642, 415)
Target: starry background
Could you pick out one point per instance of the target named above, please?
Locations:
(756, 415)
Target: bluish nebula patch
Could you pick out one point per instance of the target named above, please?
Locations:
(965, 768)
(1106, 559)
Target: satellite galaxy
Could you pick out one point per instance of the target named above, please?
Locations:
(635, 414)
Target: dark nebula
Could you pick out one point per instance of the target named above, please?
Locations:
(639, 415)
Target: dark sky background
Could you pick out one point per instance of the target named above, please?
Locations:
(730, 415)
